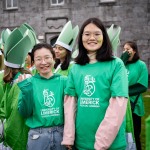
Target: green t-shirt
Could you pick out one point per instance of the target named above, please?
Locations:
(41, 100)
(58, 70)
(94, 85)
(137, 73)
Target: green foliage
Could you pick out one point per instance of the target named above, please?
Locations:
(146, 98)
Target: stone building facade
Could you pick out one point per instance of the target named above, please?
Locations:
(48, 17)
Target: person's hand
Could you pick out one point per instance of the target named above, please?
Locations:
(125, 56)
(127, 52)
(69, 147)
(23, 77)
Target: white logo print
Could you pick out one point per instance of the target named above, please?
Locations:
(49, 100)
(89, 87)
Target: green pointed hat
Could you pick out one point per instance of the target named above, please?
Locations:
(1, 45)
(68, 35)
(26, 26)
(0, 52)
(17, 47)
(5, 34)
(114, 34)
(75, 52)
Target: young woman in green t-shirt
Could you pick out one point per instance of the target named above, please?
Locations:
(96, 93)
(138, 83)
(41, 102)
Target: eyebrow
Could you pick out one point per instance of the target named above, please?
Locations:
(42, 56)
(93, 31)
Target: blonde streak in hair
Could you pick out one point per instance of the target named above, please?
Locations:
(7, 72)
(1, 62)
(26, 71)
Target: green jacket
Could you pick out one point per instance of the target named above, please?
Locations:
(15, 130)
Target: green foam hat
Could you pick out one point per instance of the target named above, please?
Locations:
(5, 34)
(1, 45)
(75, 52)
(68, 35)
(114, 34)
(17, 47)
(26, 26)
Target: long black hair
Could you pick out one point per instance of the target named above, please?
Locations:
(104, 53)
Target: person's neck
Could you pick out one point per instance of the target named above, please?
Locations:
(47, 76)
(92, 57)
(62, 60)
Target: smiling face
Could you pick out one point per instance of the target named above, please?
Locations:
(60, 52)
(44, 62)
(92, 38)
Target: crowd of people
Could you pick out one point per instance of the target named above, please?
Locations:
(51, 100)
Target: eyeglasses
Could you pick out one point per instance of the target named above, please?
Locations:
(46, 59)
(87, 35)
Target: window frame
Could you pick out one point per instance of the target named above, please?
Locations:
(12, 5)
(57, 4)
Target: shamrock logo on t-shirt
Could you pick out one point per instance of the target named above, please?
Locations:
(49, 100)
(89, 87)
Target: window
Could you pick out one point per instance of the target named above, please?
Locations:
(11, 4)
(57, 2)
(107, 1)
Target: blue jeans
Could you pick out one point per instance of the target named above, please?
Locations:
(46, 138)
